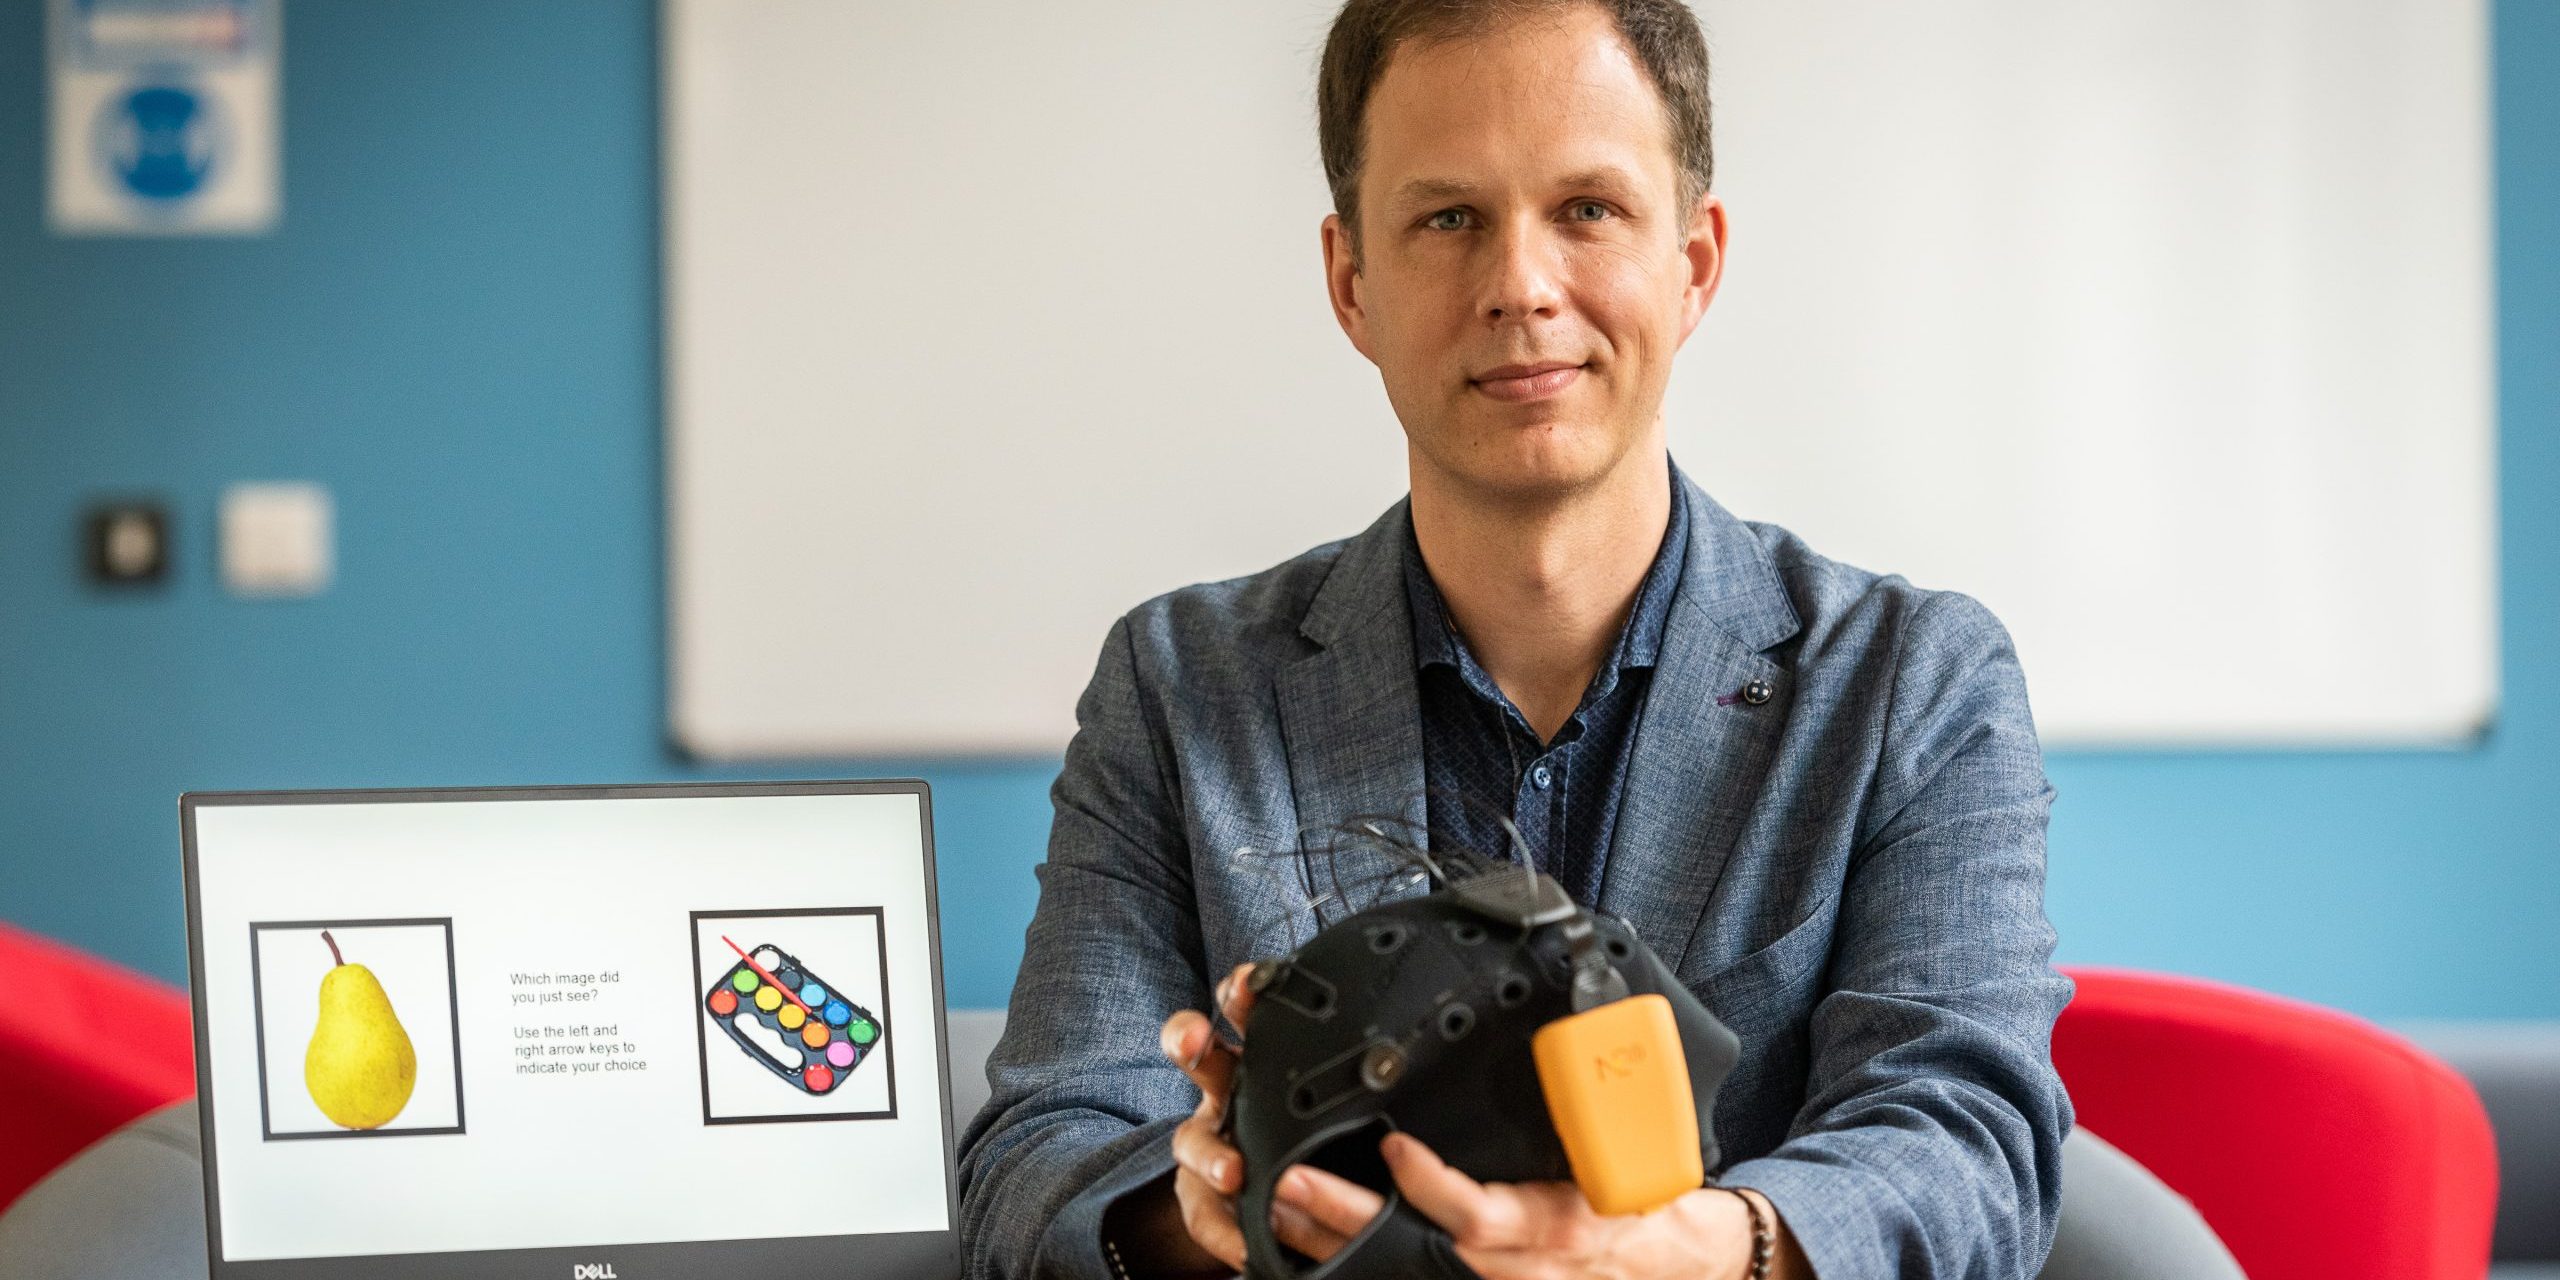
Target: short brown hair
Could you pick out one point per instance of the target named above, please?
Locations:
(1663, 34)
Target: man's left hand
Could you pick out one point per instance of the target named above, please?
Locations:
(1537, 1230)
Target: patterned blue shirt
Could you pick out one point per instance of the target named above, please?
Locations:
(1563, 794)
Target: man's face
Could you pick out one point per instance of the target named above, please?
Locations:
(1526, 271)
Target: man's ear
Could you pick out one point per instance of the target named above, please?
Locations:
(1342, 283)
(1704, 249)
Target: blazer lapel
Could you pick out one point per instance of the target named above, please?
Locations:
(1701, 749)
(1350, 718)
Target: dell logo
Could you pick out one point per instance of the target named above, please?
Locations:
(591, 1271)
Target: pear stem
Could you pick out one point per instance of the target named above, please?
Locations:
(333, 947)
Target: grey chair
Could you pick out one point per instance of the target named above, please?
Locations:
(2516, 1068)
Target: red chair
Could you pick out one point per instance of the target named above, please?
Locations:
(84, 1047)
(2319, 1146)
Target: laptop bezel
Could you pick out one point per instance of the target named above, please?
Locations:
(929, 1253)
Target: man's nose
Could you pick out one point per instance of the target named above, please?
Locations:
(1524, 279)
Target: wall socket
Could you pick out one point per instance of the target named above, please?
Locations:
(126, 544)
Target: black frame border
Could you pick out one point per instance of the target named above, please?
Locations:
(888, 1019)
(258, 1006)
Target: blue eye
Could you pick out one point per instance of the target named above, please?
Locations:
(1448, 220)
(1590, 211)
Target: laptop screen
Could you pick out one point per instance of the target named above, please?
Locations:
(564, 1032)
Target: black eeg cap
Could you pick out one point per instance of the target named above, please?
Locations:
(1416, 1015)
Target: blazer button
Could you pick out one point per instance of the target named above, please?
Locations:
(1757, 692)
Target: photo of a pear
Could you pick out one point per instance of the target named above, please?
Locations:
(361, 1067)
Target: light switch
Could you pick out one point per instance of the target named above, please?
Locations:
(276, 539)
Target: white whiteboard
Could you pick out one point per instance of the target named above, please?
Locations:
(2162, 328)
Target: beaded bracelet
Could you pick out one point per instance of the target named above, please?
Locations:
(1764, 1242)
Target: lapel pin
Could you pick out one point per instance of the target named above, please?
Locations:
(1756, 693)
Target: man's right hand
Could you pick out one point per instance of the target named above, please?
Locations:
(1197, 1230)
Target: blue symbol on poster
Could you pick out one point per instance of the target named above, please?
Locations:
(159, 140)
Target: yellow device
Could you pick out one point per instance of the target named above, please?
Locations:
(1617, 1086)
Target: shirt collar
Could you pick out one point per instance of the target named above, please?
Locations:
(1436, 641)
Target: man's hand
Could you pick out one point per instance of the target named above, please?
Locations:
(1505, 1231)
(1197, 1230)
(1540, 1230)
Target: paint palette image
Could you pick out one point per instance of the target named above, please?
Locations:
(789, 1018)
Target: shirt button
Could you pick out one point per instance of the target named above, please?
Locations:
(1756, 692)
(1542, 777)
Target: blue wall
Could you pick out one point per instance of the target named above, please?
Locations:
(454, 329)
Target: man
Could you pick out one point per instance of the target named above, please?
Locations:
(1815, 792)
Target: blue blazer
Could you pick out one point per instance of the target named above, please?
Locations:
(1850, 874)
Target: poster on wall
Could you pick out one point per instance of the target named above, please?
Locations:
(164, 116)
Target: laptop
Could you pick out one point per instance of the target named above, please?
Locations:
(577, 1033)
